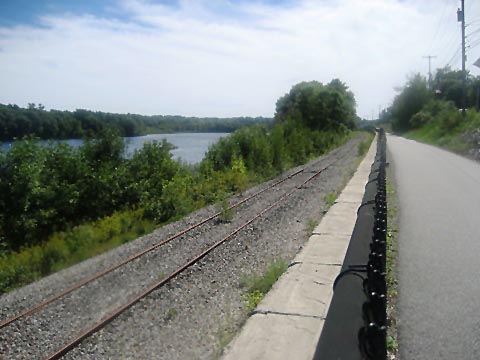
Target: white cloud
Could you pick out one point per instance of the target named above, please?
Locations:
(221, 58)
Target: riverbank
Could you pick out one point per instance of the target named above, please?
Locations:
(197, 314)
(128, 197)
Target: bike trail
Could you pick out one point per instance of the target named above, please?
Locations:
(438, 251)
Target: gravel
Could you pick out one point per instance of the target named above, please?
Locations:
(472, 138)
(193, 316)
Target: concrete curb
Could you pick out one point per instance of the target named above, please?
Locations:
(288, 321)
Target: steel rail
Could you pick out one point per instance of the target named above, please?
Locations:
(115, 313)
(99, 274)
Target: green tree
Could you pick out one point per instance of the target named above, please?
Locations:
(412, 98)
(151, 169)
(318, 106)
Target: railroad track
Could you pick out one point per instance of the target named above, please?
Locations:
(135, 256)
(293, 185)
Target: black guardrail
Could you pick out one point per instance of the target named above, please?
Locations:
(356, 323)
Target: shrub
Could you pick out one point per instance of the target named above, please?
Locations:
(420, 119)
(257, 286)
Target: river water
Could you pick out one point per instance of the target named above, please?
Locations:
(190, 147)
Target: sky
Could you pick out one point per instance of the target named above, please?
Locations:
(221, 57)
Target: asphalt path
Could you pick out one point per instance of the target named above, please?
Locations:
(438, 252)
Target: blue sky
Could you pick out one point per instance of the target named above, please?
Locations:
(220, 57)
(14, 12)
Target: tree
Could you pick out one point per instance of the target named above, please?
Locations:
(448, 85)
(318, 106)
(412, 98)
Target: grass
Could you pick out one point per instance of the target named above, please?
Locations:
(330, 198)
(392, 282)
(224, 335)
(311, 224)
(171, 313)
(256, 286)
(363, 147)
(66, 248)
(446, 130)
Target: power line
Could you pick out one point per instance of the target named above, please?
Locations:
(449, 44)
(474, 21)
(448, 37)
(473, 33)
(455, 56)
(440, 23)
(474, 44)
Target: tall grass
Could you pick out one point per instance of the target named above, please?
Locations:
(66, 248)
(258, 285)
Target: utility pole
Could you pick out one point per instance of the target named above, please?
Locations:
(477, 63)
(461, 18)
(430, 57)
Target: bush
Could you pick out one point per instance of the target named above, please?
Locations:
(264, 153)
(48, 192)
(420, 119)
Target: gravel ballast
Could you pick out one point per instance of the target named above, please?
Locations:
(193, 316)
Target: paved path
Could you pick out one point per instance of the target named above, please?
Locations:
(439, 252)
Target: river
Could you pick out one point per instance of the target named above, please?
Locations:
(190, 147)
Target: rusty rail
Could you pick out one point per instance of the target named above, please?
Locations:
(112, 315)
(99, 274)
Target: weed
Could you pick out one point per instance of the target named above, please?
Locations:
(392, 345)
(363, 147)
(223, 207)
(257, 286)
(224, 334)
(330, 198)
(252, 298)
(311, 224)
(171, 313)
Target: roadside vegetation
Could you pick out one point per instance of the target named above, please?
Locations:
(432, 113)
(330, 199)
(60, 205)
(257, 286)
(364, 146)
(69, 247)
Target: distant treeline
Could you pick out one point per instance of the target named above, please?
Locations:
(17, 122)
